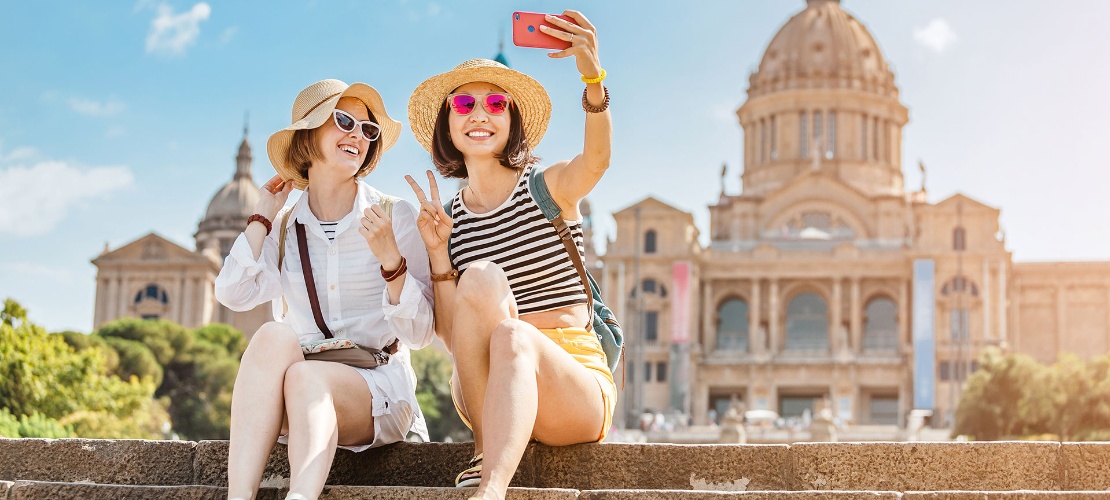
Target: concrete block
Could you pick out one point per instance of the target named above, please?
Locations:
(986, 466)
(35, 490)
(749, 495)
(97, 460)
(4, 487)
(1086, 466)
(421, 493)
(661, 466)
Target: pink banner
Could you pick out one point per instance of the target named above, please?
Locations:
(680, 304)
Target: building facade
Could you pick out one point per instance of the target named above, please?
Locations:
(825, 278)
(155, 278)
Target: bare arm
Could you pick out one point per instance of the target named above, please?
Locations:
(570, 181)
(435, 229)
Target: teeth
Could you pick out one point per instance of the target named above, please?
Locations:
(479, 133)
(349, 149)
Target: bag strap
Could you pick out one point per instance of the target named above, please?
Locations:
(306, 267)
(551, 210)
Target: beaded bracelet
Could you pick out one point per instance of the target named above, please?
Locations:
(590, 108)
(261, 218)
(596, 79)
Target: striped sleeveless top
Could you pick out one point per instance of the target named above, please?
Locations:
(517, 237)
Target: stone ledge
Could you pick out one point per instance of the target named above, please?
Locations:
(127, 461)
(1086, 466)
(989, 466)
(745, 495)
(28, 490)
(1005, 495)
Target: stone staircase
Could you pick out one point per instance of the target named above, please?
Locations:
(104, 469)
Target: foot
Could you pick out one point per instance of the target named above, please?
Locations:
(472, 475)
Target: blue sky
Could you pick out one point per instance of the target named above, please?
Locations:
(119, 118)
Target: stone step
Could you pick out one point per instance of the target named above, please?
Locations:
(988, 466)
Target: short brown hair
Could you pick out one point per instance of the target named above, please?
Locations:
(449, 160)
(303, 150)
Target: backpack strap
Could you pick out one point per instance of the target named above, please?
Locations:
(551, 210)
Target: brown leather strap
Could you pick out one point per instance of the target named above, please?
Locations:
(306, 266)
(568, 242)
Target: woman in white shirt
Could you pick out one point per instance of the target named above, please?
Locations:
(370, 270)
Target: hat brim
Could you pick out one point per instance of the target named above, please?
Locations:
(277, 147)
(527, 94)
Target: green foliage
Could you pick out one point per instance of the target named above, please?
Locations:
(135, 359)
(12, 313)
(80, 341)
(1013, 396)
(33, 426)
(198, 369)
(49, 385)
(433, 392)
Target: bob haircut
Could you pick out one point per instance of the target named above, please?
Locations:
(449, 160)
(303, 150)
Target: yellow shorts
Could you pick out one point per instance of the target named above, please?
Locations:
(584, 347)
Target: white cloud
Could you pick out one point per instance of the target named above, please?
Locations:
(17, 154)
(938, 35)
(34, 200)
(172, 33)
(96, 108)
(227, 35)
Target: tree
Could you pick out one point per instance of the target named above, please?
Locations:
(433, 393)
(42, 378)
(1001, 398)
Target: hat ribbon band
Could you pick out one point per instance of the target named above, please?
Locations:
(318, 105)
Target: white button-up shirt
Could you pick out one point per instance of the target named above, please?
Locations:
(353, 297)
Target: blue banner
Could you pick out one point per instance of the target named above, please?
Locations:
(924, 343)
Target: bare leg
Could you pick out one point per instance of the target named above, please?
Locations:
(328, 404)
(258, 405)
(482, 301)
(540, 390)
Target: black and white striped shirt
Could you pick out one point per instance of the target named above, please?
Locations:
(517, 237)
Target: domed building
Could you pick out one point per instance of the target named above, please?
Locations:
(826, 283)
(154, 278)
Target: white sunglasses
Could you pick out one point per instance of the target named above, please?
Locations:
(345, 122)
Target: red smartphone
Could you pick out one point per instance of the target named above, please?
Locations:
(526, 31)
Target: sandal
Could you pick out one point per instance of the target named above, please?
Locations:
(472, 475)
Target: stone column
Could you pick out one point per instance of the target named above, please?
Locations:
(836, 320)
(986, 303)
(1061, 316)
(121, 298)
(756, 342)
(1016, 307)
(708, 326)
(773, 317)
(189, 309)
(904, 315)
(855, 317)
(1003, 302)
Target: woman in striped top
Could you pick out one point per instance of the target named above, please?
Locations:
(518, 308)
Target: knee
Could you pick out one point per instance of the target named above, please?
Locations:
(481, 281)
(511, 340)
(300, 378)
(272, 341)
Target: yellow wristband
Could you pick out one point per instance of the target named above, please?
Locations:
(594, 80)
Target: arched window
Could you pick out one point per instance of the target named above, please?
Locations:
(151, 302)
(880, 329)
(650, 286)
(807, 323)
(732, 325)
(959, 239)
(649, 241)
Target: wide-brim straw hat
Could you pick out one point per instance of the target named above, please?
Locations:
(527, 94)
(312, 108)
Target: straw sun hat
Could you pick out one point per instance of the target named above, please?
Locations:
(312, 108)
(526, 93)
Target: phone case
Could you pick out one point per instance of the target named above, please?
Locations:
(526, 31)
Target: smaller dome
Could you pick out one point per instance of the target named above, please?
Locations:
(235, 200)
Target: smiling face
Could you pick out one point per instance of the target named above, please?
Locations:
(344, 150)
(479, 134)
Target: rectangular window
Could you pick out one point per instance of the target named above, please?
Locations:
(863, 137)
(945, 371)
(959, 324)
(774, 140)
(647, 371)
(651, 327)
(830, 149)
(818, 132)
(803, 136)
(884, 410)
(661, 372)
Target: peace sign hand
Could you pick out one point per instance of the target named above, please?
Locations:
(582, 38)
(433, 222)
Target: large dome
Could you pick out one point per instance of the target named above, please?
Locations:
(823, 47)
(235, 200)
(228, 211)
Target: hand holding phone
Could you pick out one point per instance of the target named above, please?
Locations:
(527, 33)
